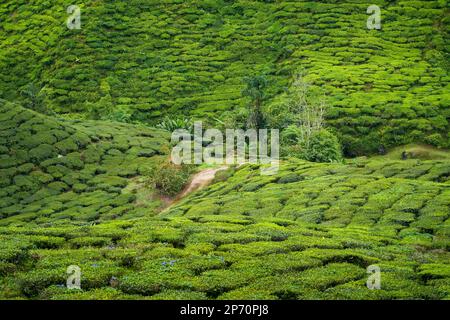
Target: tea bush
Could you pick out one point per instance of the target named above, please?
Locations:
(307, 232)
(386, 87)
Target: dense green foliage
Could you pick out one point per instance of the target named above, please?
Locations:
(71, 196)
(171, 124)
(255, 90)
(169, 179)
(85, 181)
(272, 245)
(323, 147)
(146, 58)
(55, 171)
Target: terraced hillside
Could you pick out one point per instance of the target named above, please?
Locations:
(150, 58)
(308, 232)
(53, 172)
(75, 191)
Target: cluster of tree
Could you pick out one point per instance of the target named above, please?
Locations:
(300, 118)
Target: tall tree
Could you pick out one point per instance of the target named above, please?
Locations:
(255, 91)
(308, 110)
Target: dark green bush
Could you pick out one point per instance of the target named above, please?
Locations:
(290, 178)
(169, 179)
(323, 147)
(42, 152)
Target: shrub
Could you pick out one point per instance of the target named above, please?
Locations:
(169, 179)
(59, 293)
(120, 114)
(436, 140)
(179, 295)
(66, 146)
(217, 238)
(172, 124)
(58, 186)
(42, 152)
(14, 250)
(157, 275)
(224, 175)
(216, 282)
(290, 136)
(290, 178)
(323, 147)
(47, 242)
(270, 230)
(433, 271)
(6, 267)
(24, 182)
(33, 282)
(331, 274)
(174, 236)
(248, 293)
(89, 242)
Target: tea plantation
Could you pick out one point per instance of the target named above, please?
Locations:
(86, 117)
(70, 196)
(56, 171)
(149, 58)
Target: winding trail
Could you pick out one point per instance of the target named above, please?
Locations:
(200, 180)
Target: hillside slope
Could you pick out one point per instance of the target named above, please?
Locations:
(78, 192)
(308, 232)
(54, 171)
(388, 86)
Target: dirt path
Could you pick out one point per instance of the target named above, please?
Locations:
(200, 180)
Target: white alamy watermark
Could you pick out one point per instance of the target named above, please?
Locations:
(239, 147)
(74, 20)
(374, 21)
(74, 278)
(374, 280)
